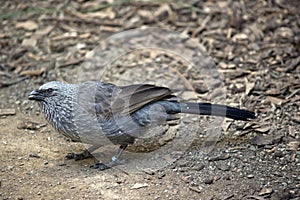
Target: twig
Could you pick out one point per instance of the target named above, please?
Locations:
(6, 84)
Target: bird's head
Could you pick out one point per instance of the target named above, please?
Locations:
(51, 91)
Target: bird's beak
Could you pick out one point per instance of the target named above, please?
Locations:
(35, 95)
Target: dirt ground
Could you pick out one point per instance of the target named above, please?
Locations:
(254, 47)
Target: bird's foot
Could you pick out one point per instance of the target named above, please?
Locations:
(80, 156)
(102, 166)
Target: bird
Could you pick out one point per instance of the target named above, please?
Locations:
(93, 112)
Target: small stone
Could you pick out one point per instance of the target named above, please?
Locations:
(265, 191)
(10, 167)
(161, 175)
(199, 167)
(250, 176)
(189, 95)
(186, 179)
(208, 181)
(278, 154)
(139, 185)
(220, 157)
(149, 171)
(34, 155)
(195, 189)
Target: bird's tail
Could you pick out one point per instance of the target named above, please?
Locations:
(210, 109)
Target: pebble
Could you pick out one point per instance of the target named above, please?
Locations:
(220, 157)
(139, 185)
(250, 176)
(208, 181)
(34, 155)
(10, 167)
(265, 191)
(199, 167)
(195, 189)
(161, 175)
(149, 171)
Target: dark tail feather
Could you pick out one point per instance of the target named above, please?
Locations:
(216, 110)
(173, 107)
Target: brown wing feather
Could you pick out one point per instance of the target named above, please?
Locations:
(133, 97)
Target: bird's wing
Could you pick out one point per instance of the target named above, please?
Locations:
(108, 100)
(131, 98)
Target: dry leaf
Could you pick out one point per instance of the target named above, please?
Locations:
(284, 32)
(263, 129)
(296, 118)
(292, 131)
(107, 13)
(34, 56)
(279, 89)
(29, 42)
(163, 10)
(37, 72)
(27, 25)
(239, 37)
(225, 125)
(274, 100)
(85, 35)
(72, 62)
(293, 93)
(293, 145)
(262, 140)
(249, 125)
(291, 64)
(224, 65)
(146, 14)
(265, 191)
(64, 36)
(44, 31)
(110, 29)
(249, 86)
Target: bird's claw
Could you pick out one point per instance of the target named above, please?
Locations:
(79, 156)
(100, 166)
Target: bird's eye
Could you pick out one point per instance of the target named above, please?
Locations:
(49, 90)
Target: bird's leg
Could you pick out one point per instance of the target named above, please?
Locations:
(114, 160)
(84, 155)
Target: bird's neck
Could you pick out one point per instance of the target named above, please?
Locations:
(59, 114)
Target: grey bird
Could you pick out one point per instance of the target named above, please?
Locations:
(94, 112)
